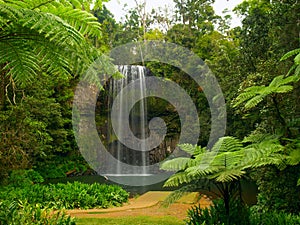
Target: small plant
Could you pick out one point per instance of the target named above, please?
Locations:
(23, 213)
(67, 196)
(216, 214)
(20, 178)
(272, 218)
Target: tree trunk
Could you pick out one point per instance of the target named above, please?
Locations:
(2, 90)
(280, 118)
(226, 202)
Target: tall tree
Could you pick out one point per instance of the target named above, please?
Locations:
(43, 44)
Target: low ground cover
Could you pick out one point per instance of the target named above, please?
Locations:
(67, 196)
(140, 220)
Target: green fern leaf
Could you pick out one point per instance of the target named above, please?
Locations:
(284, 89)
(254, 101)
(175, 164)
(177, 194)
(290, 54)
(178, 179)
(228, 175)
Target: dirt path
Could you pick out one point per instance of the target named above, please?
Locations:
(148, 204)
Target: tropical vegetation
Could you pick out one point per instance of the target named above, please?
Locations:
(47, 45)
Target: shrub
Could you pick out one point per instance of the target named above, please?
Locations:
(273, 218)
(58, 167)
(278, 190)
(216, 214)
(20, 178)
(22, 213)
(68, 196)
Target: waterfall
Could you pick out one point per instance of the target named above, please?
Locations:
(137, 121)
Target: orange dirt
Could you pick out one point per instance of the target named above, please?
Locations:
(148, 204)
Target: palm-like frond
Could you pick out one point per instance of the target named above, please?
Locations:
(228, 175)
(19, 59)
(226, 166)
(260, 137)
(84, 22)
(227, 144)
(177, 194)
(263, 152)
(191, 149)
(48, 36)
(290, 54)
(176, 164)
(254, 95)
(294, 155)
(179, 178)
(296, 66)
(248, 93)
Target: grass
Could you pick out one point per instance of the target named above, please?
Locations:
(139, 220)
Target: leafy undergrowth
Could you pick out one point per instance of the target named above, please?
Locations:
(67, 196)
(140, 220)
(22, 213)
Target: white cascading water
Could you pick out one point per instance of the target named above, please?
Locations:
(137, 119)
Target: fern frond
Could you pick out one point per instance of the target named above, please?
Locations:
(290, 54)
(268, 152)
(228, 175)
(245, 96)
(277, 81)
(284, 89)
(175, 164)
(177, 194)
(294, 157)
(48, 36)
(297, 73)
(227, 144)
(289, 79)
(19, 59)
(202, 170)
(178, 178)
(254, 138)
(84, 22)
(192, 149)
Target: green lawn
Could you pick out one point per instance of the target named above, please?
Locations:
(140, 220)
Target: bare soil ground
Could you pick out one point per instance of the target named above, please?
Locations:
(148, 204)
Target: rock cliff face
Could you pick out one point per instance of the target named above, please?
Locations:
(163, 150)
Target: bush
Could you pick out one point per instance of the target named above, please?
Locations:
(273, 218)
(22, 213)
(58, 167)
(20, 178)
(68, 196)
(216, 214)
(278, 190)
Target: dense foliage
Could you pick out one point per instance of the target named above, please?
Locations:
(216, 214)
(67, 196)
(240, 215)
(45, 46)
(22, 213)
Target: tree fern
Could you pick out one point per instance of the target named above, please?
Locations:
(191, 149)
(175, 164)
(177, 194)
(290, 54)
(179, 178)
(252, 96)
(48, 36)
(226, 163)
